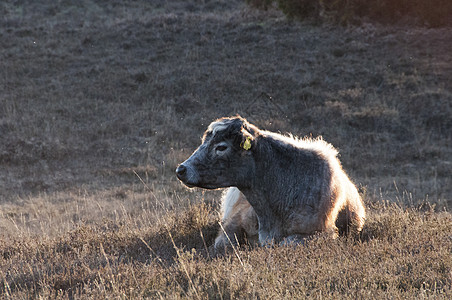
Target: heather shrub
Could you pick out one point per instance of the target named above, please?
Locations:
(432, 13)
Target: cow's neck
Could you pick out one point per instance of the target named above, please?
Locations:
(265, 192)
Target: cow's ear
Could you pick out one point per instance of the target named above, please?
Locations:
(247, 139)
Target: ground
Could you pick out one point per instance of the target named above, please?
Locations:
(100, 101)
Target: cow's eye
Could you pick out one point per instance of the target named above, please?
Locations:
(221, 148)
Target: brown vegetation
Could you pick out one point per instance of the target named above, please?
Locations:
(432, 13)
(100, 100)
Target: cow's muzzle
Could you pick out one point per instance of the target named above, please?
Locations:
(187, 175)
(181, 172)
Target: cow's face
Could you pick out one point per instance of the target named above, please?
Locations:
(224, 158)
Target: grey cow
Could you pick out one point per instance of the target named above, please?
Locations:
(292, 188)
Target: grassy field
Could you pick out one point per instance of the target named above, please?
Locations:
(101, 100)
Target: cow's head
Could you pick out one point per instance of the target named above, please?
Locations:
(224, 158)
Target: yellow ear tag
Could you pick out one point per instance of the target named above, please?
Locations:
(247, 144)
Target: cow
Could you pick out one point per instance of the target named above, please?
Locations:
(291, 188)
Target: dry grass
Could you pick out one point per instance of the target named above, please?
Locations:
(100, 100)
(170, 259)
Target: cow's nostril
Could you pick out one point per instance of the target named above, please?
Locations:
(181, 170)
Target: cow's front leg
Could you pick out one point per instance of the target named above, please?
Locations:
(269, 232)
